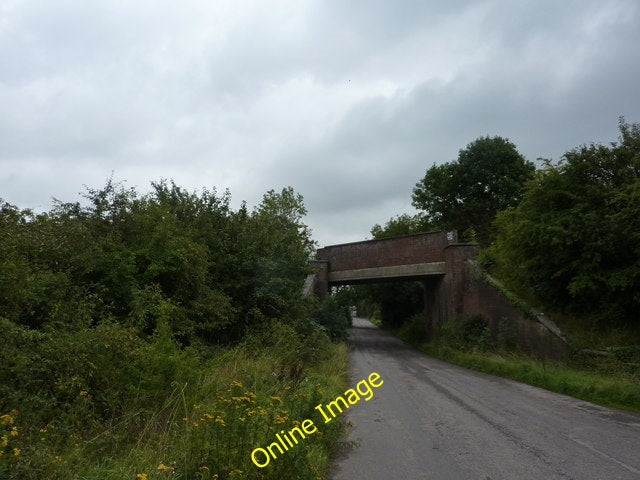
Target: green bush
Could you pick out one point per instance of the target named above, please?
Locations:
(187, 258)
(573, 240)
(414, 329)
(334, 317)
(466, 332)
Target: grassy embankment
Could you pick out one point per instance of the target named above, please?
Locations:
(612, 379)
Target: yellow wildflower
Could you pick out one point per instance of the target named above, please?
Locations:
(164, 468)
(236, 383)
(84, 393)
(5, 440)
(56, 459)
(6, 419)
(220, 421)
(14, 432)
(141, 476)
(276, 399)
(17, 451)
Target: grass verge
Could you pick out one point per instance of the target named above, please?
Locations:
(611, 381)
(610, 390)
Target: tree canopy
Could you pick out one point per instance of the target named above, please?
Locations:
(170, 255)
(467, 193)
(574, 240)
(404, 224)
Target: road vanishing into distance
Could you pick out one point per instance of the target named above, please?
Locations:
(434, 420)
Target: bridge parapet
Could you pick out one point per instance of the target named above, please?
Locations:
(405, 257)
(419, 248)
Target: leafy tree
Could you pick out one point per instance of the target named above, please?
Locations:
(272, 250)
(401, 225)
(466, 194)
(574, 240)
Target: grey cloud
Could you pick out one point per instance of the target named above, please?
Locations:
(348, 102)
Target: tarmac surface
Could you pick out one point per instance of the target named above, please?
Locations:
(434, 420)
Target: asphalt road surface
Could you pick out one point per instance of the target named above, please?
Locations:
(433, 420)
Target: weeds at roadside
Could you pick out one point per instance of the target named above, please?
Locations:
(611, 380)
(620, 390)
(183, 416)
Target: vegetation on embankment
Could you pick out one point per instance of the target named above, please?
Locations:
(161, 336)
(611, 380)
(573, 242)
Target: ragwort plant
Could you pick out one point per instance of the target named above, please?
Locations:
(240, 406)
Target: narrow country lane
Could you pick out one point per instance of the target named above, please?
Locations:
(433, 420)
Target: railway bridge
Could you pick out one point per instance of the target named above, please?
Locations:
(453, 284)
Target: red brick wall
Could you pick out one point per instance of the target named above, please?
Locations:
(403, 250)
(481, 298)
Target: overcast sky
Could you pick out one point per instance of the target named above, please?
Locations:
(346, 101)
